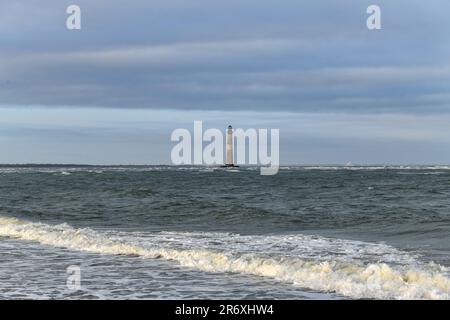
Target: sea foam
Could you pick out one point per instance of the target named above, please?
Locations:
(317, 263)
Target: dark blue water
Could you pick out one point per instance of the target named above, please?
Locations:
(186, 232)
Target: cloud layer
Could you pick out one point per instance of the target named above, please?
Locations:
(295, 56)
(142, 136)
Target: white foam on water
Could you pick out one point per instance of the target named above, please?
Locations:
(352, 268)
(366, 168)
(58, 170)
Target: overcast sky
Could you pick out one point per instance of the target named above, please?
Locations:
(113, 91)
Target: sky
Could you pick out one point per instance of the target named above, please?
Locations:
(113, 92)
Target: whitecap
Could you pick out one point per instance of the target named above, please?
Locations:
(352, 268)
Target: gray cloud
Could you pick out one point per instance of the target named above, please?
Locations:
(142, 136)
(215, 55)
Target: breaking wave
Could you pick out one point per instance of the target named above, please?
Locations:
(351, 268)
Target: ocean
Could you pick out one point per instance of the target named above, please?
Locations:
(165, 232)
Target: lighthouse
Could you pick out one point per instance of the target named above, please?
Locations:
(229, 162)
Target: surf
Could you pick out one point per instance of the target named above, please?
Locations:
(317, 263)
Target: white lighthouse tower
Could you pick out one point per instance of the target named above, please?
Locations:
(229, 161)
